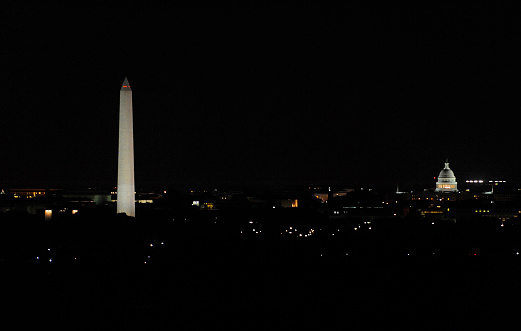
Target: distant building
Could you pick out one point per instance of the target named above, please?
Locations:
(27, 192)
(485, 186)
(341, 192)
(446, 180)
(204, 203)
(288, 203)
(324, 195)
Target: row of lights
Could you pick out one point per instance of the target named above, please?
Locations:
(480, 181)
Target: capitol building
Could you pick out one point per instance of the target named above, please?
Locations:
(446, 180)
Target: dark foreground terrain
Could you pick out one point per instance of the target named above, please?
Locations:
(201, 272)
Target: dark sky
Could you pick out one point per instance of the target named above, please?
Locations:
(240, 93)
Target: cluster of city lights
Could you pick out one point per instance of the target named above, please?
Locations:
(153, 244)
(367, 223)
(302, 234)
(255, 229)
(50, 257)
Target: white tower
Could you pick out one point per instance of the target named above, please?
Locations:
(126, 192)
(446, 180)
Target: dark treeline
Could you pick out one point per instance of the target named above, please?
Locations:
(251, 269)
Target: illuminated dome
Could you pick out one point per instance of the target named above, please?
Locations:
(446, 173)
(446, 180)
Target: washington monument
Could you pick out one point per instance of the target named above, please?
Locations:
(126, 193)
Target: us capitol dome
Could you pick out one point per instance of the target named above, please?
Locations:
(446, 180)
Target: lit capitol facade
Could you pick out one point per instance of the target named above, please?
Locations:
(446, 180)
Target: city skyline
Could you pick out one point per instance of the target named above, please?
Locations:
(249, 94)
(288, 160)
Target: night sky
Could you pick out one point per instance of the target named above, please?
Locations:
(240, 94)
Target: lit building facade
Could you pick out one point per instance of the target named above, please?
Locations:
(446, 180)
(27, 192)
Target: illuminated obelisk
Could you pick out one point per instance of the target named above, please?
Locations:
(126, 194)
